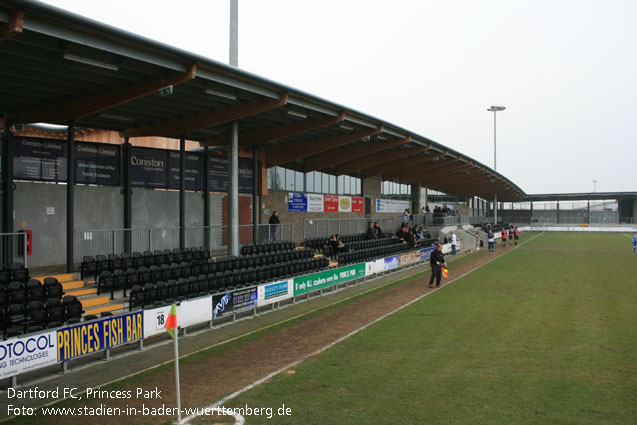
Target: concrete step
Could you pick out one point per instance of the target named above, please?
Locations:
(94, 300)
(65, 277)
(73, 284)
(79, 292)
(106, 307)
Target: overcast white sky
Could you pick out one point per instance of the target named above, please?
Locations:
(566, 70)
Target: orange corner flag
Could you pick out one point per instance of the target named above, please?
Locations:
(445, 272)
(171, 321)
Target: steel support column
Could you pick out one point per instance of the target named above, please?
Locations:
(70, 196)
(182, 192)
(255, 195)
(233, 191)
(7, 188)
(206, 197)
(127, 192)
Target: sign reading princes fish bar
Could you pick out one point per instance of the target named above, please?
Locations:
(23, 354)
(91, 337)
(316, 281)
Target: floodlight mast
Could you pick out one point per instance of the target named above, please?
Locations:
(495, 110)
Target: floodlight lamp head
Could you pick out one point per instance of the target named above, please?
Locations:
(496, 108)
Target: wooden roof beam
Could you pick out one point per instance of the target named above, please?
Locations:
(202, 120)
(67, 111)
(257, 137)
(384, 163)
(14, 26)
(412, 160)
(479, 186)
(417, 170)
(441, 172)
(460, 177)
(349, 153)
(369, 161)
(282, 154)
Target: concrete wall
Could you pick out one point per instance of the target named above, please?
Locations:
(41, 207)
(31, 201)
(107, 200)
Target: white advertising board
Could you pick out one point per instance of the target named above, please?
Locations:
(274, 292)
(23, 354)
(391, 206)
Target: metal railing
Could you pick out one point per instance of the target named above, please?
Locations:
(13, 248)
(107, 241)
(325, 227)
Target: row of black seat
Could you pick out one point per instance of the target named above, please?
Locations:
(36, 315)
(495, 227)
(33, 290)
(265, 247)
(93, 266)
(172, 290)
(13, 272)
(120, 279)
(373, 253)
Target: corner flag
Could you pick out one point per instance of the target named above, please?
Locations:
(445, 272)
(171, 321)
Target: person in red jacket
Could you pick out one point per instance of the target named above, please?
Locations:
(516, 235)
(510, 235)
(504, 237)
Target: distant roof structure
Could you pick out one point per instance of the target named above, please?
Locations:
(593, 196)
(57, 67)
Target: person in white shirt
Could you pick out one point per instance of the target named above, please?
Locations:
(453, 243)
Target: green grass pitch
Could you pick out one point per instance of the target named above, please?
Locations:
(546, 334)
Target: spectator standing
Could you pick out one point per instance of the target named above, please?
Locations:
(437, 260)
(510, 235)
(504, 236)
(491, 240)
(454, 241)
(516, 235)
(635, 243)
(274, 224)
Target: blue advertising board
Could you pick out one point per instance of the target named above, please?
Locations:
(391, 262)
(297, 202)
(426, 253)
(91, 337)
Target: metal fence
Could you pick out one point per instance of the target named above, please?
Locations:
(13, 248)
(451, 220)
(326, 227)
(107, 241)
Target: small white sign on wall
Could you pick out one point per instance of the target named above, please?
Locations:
(50, 210)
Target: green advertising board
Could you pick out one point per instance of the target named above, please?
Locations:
(316, 281)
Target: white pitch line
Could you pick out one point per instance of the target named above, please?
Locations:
(333, 343)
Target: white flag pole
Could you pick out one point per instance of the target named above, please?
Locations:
(176, 331)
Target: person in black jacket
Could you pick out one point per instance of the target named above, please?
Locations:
(437, 260)
(274, 222)
(371, 232)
